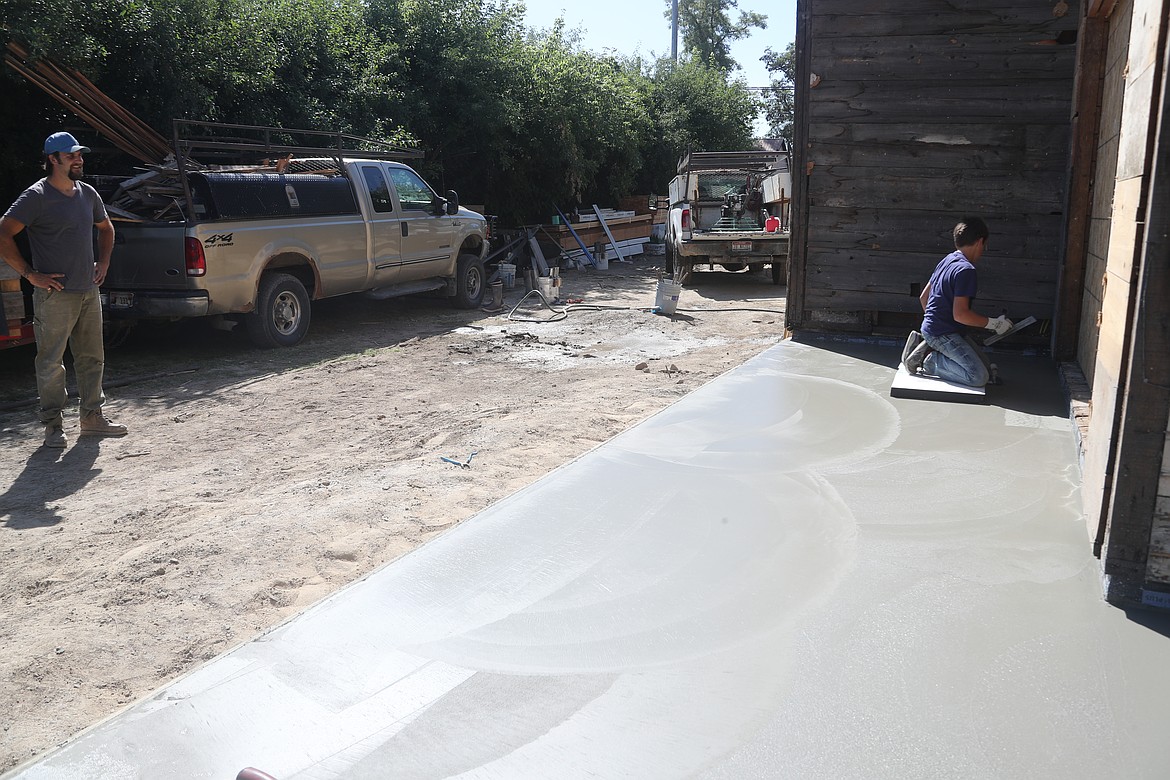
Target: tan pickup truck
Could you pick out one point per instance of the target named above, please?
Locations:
(260, 246)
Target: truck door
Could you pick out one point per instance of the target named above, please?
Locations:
(385, 228)
(428, 240)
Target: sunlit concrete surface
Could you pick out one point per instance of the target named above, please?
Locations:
(786, 574)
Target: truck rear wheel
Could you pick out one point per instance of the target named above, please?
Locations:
(469, 281)
(281, 316)
(777, 270)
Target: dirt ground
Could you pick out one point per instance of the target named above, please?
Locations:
(254, 483)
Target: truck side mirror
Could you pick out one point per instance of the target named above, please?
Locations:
(452, 202)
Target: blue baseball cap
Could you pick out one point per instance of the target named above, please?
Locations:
(63, 142)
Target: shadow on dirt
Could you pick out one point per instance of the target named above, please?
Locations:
(48, 475)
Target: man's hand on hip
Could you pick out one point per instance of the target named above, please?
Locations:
(44, 281)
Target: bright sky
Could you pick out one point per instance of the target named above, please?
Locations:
(638, 26)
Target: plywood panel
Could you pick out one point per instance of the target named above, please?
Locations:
(1123, 234)
(1114, 323)
(1145, 25)
(1097, 449)
(1133, 141)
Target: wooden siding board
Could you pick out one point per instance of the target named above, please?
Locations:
(910, 230)
(1020, 290)
(951, 190)
(880, 132)
(935, 19)
(926, 103)
(1022, 65)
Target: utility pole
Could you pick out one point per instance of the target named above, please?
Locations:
(674, 31)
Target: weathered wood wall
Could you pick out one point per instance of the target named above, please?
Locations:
(1124, 460)
(916, 113)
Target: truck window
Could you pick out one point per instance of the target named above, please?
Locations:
(413, 192)
(376, 184)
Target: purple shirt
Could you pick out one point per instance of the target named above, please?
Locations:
(954, 277)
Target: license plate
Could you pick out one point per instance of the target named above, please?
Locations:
(121, 300)
(741, 246)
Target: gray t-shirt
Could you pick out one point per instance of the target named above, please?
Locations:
(60, 230)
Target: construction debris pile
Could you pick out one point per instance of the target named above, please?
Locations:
(157, 194)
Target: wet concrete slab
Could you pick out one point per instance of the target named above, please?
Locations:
(786, 574)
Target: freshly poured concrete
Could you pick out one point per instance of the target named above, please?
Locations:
(786, 574)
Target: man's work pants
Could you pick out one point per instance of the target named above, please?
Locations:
(70, 319)
(956, 358)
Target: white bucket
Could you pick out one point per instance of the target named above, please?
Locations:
(545, 285)
(666, 300)
(601, 261)
(508, 275)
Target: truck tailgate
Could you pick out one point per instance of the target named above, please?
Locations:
(148, 256)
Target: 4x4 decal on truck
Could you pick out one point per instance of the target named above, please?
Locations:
(219, 239)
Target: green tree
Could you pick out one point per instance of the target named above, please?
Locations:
(780, 97)
(694, 107)
(707, 29)
(511, 118)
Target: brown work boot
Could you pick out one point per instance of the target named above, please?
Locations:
(96, 424)
(55, 437)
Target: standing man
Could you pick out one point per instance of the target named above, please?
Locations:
(60, 212)
(943, 348)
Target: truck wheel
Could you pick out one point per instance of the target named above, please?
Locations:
(684, 270)
(281, 317)
(670, 258)
(777, 270)
(469, 281)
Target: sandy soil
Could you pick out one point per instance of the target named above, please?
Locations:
(254, 483)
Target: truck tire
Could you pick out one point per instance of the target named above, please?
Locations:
(777, 270)
(281, 317)
(469, 281)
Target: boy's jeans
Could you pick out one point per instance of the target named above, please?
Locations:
(70, 319)
(956, 359)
